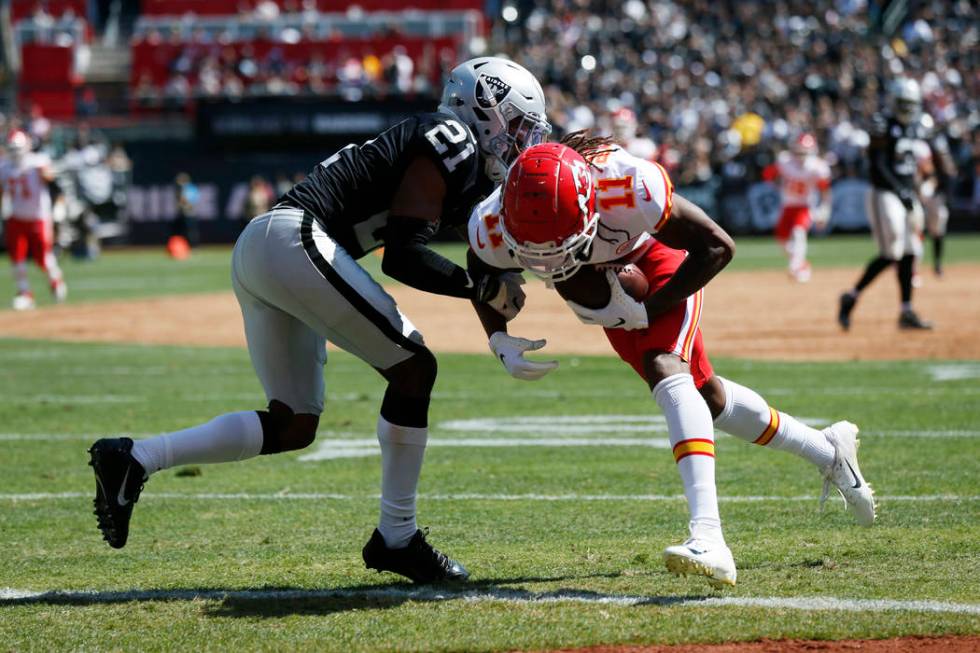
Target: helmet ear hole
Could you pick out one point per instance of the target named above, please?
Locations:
(487, 94)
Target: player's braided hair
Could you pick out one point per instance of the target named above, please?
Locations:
(589, 146)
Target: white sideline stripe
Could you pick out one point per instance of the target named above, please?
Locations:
(361, 448)
(323, 496)
(913, 433)
(869, 392)
(954, 372)
(436, 440)
(372, 443)
(12, 596)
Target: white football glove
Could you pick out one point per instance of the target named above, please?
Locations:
(622, 312)
(509, 299)
(510, 351)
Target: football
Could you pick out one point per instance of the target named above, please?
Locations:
(589, 287)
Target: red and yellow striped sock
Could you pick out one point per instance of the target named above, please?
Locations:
(694, 447)
(770, 430)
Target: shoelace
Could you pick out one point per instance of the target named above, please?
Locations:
(434, 554)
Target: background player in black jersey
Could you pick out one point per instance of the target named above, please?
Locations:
(295, 275)
(893, 208)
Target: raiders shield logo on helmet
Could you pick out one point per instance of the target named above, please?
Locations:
(490, 91)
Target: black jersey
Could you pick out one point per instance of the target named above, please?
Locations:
(892, 152)
(350, 193)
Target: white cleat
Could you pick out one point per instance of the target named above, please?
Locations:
(845, 474)
(60, 292)
(802, 273)
(702, 558)
(23, 302)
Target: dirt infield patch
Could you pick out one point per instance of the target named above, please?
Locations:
(968, 644)
(759, 315)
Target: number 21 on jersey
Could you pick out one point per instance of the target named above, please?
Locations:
(449, 133)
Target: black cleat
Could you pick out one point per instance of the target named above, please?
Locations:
(847, 302)
(910, 320)
(119, 480)
(419, 561)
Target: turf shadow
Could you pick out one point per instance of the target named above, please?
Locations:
(276, 601)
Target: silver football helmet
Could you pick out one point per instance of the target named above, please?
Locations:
(906, 100)
(502, 104)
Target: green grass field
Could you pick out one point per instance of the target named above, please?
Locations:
(142, 272)
(559, 496)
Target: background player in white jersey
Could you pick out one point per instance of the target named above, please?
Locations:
(558, 215)
(625, 129)
(936, 168)
(295, 275)
(801, 175)
(29, 231)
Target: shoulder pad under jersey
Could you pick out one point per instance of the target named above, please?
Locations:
(484, 236)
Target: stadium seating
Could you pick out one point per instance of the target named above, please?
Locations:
(24, 9)
(154, 59)
(47, 53)
(229, 7)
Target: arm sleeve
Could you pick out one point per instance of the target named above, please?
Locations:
(408, 259)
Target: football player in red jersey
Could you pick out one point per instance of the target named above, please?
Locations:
(561, 211)
(625, 128)
(29, 230)
(801, 174)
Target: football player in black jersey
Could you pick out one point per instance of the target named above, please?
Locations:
(894, 210)
(296, 277)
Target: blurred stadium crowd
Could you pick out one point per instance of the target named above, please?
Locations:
(718, 87)
(717, 82)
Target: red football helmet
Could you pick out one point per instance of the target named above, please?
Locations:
(624, 124)
(805, 144)
(549, 217)
(18, 145)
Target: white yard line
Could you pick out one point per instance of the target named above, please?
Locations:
(328, 496)
(11, 596)
(916, 433)
(347, 439)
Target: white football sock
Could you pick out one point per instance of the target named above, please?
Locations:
(693, 441)
(798, 248)
(748, 417)
(52, 269)
(230, 437)
(402, 451)
(20, 278)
